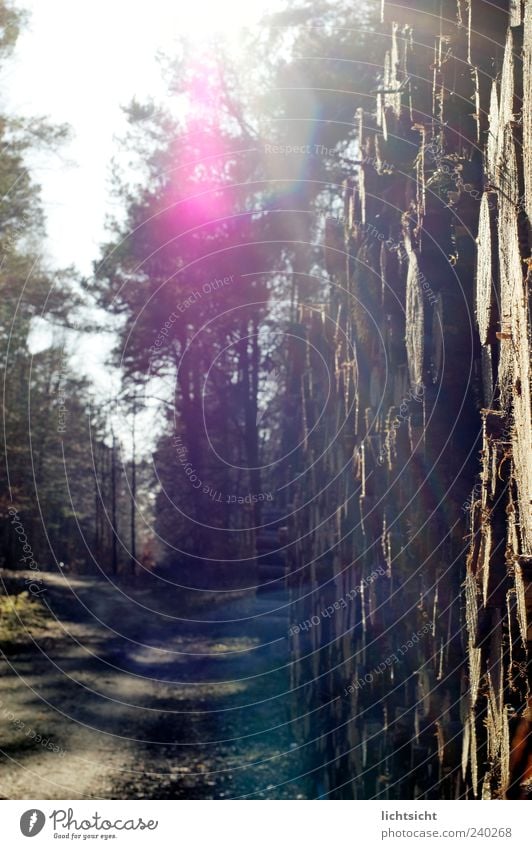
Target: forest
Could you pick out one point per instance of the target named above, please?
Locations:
(265, 508)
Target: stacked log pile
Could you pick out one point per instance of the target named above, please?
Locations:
(411, 561)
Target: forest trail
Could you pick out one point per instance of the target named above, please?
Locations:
(145, 705)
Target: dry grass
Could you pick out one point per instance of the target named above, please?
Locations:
(20, 618)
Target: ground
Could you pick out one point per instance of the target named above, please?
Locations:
(144, 704)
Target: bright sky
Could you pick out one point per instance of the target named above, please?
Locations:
(77, 61)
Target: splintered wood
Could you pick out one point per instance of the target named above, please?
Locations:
(411, 562)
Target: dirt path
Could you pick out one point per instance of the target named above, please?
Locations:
(142, 705)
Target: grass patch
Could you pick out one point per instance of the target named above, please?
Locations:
(20, 618)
